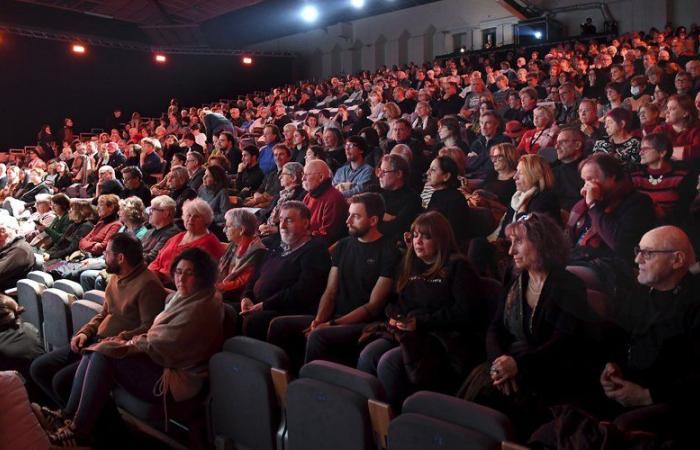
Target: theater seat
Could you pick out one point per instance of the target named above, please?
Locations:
(71, 287)
(493, 291)
(29, 297)
(244, 411)
(41, 277)
(58, 324)
(437, 421)
(95, 296)
(82, 311)
(327, 408)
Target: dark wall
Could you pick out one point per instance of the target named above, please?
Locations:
(43, 81)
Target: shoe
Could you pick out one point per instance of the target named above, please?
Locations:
(64, 436)
(50, 420)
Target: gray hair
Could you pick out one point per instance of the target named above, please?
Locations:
(243, 219)
(179, 172)
(199, 207)
(164, 202)
(294, 169)
(109, 169)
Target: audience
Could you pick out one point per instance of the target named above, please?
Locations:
(399, 125)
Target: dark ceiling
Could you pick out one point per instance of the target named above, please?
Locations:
(187, 23)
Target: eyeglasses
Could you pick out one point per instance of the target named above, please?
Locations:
(646, 254)
(497, 157)
(381, 173)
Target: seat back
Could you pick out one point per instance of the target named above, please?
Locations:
(58, 324)
(327, 408)
(71, 287)
(82, 311)
(29, 297)
(95, 296)
(493, 291)
(244, 408)
(437, 421)
(41, 277)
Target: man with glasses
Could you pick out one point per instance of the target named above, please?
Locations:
(355, 176)
(402, 204)
(569, 146)
(134, 185)
(656, 363)
(162, 218)
(195, 170)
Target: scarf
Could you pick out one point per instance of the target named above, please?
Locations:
(518, 201)
(231, 266)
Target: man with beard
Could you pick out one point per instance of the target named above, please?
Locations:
(133, 298)
(359, 284)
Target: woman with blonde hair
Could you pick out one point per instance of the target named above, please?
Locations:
(534, 183)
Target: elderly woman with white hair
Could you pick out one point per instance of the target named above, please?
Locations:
(243, 255)
(197, 215)
(16, 256)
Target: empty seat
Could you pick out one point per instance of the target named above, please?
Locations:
(95, 296)
(244, 409)
(29, 297)
(327, 408)
(41, 277)
(70, 287)
(437, 421)
(58, 324)
(82, 311)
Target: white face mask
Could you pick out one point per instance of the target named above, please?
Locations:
(634, 90)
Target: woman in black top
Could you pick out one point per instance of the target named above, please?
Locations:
(447, 199)
(435, 327)
(532, 343)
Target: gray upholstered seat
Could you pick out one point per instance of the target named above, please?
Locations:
(95, 295)
(327, 408)
(244, 408)
(29, 297)
(437, 421)
(41, 277)
(58, 324)
(82, 311)
(70, 287)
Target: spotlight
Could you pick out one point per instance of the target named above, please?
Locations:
(538, 35)
(309, 13)
(78, 48)
(247, 60)
(160, 58)
(357, 3)
(463, 49)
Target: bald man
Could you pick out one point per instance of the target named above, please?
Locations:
(328, 207)
(658, 359)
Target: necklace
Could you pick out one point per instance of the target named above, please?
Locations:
(654, 181)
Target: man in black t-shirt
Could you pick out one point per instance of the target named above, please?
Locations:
(359, 284)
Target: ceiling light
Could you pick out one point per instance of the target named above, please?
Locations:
(309, 13)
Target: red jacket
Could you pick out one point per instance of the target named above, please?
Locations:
(96, 240)
(329, 209)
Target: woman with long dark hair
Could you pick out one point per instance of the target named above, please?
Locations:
(436, 325)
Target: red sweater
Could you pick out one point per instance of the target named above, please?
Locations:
(209, 243)
(688, 139)
(96, 240)
(329, 209)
